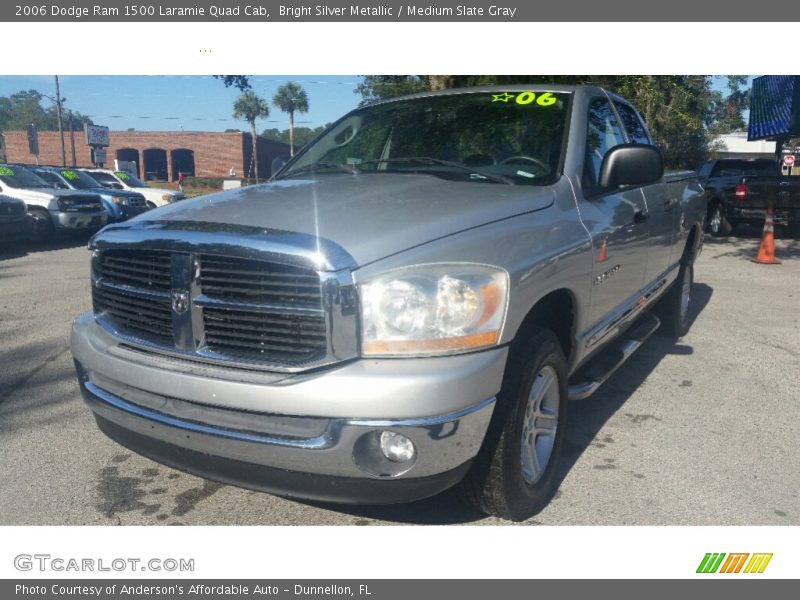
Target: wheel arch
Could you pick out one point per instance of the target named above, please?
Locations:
(556, 311)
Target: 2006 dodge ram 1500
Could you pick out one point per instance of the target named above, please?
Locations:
(408, 304)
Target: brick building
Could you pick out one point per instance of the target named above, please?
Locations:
(159, 155)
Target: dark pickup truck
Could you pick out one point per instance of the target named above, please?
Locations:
(739, 191)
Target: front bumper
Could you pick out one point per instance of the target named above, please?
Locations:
(80, 220)
(237, 426)
(17, 228)
(123, 213)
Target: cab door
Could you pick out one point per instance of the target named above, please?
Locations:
(663, 202)
(617, 221)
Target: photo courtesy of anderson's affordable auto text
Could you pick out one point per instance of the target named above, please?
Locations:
(432, 309)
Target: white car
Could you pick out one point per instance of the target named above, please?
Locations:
(122, 180)
(51, 209)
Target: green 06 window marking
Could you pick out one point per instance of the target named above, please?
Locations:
(71, 175)
(6, 171)
(525, 98)
(122, 175)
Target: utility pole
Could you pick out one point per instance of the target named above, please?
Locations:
(72, 138)
(60, 124)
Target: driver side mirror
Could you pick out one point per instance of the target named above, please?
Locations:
(631, 165)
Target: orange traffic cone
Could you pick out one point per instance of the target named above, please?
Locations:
(766, 251)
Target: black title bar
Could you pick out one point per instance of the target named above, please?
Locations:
(171, 11)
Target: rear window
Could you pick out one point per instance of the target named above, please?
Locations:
(740, 168)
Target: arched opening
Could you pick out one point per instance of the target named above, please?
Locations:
(182, 162)
(155, 164)
(130, 155)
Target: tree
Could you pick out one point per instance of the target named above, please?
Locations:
(250, 107)
(25, 107)
(291, 98)
(240, 82)
(302, 135)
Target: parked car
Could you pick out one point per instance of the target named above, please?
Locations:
(409, 305)
(52, 210)
(120, 205)
(739, 190)
(15, 222)
(122, 180)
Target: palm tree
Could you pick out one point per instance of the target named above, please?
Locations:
(250, 107)
(291, 98)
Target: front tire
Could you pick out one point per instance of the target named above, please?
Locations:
(43, 229)
(514, 475)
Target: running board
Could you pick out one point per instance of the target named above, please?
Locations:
(594, 374)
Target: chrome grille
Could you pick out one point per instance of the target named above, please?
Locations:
(80, 203)
(135, 314)
(262, 310)
(241, 310)
(132, 291)
(259, 282)
(144, 270)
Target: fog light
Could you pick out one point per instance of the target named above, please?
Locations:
(396, 447)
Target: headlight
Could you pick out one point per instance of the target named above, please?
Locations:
(433, 310)
(119, 200)
(167, 197)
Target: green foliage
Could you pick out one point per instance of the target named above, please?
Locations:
(240, 82)
(302, 135)
(24, 107)
(683, 112)
(291, 98)
(380, 87)
(250, 107)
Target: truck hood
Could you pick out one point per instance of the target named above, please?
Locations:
(369, 216)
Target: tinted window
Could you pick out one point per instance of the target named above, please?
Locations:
(633, 124)
(53, 179)
(603, 133)
(516, 136)
(739, 168)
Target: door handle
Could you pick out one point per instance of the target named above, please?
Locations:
(640, 217)
(669, 204)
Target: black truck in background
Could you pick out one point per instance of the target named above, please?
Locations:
(739, 190)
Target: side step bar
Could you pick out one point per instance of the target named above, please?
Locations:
(594, 374)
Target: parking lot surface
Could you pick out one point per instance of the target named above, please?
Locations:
(700, 432)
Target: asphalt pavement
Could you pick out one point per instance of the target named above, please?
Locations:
(700, 432)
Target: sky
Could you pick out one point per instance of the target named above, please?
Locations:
(191, 103)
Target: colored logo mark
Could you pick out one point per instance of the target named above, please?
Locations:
(719, 562)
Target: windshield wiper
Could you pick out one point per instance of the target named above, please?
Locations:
(320, 165)
(447, 163)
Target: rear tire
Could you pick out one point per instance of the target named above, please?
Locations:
(675, 307)
(718, 224)
(43, 229)
(514, 475)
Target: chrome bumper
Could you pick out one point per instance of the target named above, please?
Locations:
(334, 433)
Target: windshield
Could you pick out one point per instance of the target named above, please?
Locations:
(508, 137)
(106, 180)
(53, 179)
(79, 180)
(130, 180)
(19, 177)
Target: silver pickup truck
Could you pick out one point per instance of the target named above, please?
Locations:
(409, 304)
